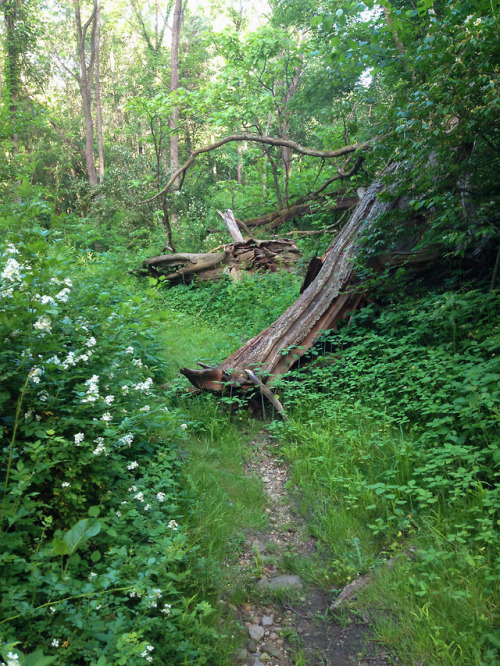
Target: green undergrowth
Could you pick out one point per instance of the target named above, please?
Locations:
(394, 446)
(243, 307)
(108, 487)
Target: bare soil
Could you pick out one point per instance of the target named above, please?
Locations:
(285, 629)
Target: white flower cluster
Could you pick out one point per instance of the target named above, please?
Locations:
(129, 350)
(160, 497)
(79, 437)
(92, 389)
(153, 596)
(166, 609)
(127, 439)
(137, 362)
(43, 324)
(12, 660)
(146, 408)
(12, 270)
(173, 525)
(35, 374)
(147, 653)
(145, 385)
(100, 448)
(107, 417)
(133, 465)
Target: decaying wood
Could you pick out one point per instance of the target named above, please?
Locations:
(328, 298)
(245, 255)
(232, 226)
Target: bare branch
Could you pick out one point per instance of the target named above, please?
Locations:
(266, 141)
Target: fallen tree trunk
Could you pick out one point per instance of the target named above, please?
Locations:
(249, 255)
(329, 297)
(279, 217)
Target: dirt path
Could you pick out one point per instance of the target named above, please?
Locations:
(296, 626)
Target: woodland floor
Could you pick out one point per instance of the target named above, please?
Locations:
(287, 621)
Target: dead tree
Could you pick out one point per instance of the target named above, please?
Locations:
(234, 258)
(332, 293)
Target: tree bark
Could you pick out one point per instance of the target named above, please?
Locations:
(330, 296)
(98, 103)
(174, 85)
(84, 79)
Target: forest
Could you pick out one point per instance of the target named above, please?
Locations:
(250, 332)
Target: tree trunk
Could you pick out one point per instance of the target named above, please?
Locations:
(85, 82)
(329, 297)
(174, 85)
(98, 103)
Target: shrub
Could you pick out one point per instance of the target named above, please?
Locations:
(95, 558)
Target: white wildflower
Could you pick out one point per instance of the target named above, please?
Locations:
(132, 489)
(166, 609)
(109, 399)
(146, 408)
(139, 497)
(54, 360)
(52, 609)
(45, 300)
(67, 282)
(173, 525)
(63, 295)
(12, 249)
(91, 342)
(43, 396)
(160, 497)
(127, 439)
(147, 507)
(65, 484)
(118, 514)
(12, 270)
(129, 350)
(137, 362)
(79, 437)
(43, 324)
(145, 385)
(99, 449)
(133, 465)
(183, 426)
(55, 642)
(35, 374)
(106, 417)
(125, 389)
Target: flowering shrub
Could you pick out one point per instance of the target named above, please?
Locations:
(94, 555)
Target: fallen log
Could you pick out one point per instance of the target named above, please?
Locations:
(330, 296)
(241, 255)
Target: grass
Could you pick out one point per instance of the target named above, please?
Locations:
(437, 606)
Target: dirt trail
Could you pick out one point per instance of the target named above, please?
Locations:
(298, 628)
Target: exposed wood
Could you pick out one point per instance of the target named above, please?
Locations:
(268, 393)
(232, 226)
(331, 296)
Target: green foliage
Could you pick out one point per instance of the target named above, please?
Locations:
(394, 442)
(247, 305)
(95, 558)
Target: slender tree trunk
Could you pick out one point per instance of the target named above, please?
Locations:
(174, 85)
(98, 103)
(85, 82)
(12, 64)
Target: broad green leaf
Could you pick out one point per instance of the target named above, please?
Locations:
(81, 532)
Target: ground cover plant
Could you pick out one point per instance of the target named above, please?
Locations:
(394, 442)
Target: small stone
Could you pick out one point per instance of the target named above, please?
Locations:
(262, 583)
(257, 662)
(265, 479)
(280, 641)
(254, 620)
(241, 655)
(286, 580)
(271, 649)
(273, 635)
(252, 646)
(256, 632)
(266, 621)
(265, 657)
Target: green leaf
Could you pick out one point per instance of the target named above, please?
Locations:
(81, 532)
(38, 659)
(59, 547)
